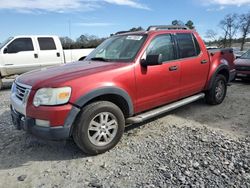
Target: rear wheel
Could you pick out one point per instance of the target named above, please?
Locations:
(99, 127)
(218, 91)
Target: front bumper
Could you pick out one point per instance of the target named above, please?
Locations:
(243, 74)
(22, 122)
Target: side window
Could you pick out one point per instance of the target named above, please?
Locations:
(162, 44)
(46, 43)
(187, 47)
(20, 45)
(197, 46)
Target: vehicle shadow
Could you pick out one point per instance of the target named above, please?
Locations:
(7, 84)
(231, 117)
(18, 148)
(242, 81)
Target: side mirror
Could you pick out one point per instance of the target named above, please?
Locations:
(5, 50)
(152, 60)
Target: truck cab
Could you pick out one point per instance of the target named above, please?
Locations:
(25, 53)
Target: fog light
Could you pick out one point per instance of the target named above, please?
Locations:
(42, 123)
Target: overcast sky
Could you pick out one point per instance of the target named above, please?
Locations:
(103, 17)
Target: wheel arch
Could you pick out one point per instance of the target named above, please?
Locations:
(221, 69)
(112, 94)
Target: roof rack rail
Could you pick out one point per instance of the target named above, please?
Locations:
(166, 27)
(121, 32)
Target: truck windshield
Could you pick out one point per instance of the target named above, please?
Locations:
(5, 42)
(246, 55)
(118, 48)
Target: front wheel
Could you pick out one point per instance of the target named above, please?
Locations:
(99, 127)
(218, 91)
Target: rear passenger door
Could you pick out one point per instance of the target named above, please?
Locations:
(48, 53)
(194, 64)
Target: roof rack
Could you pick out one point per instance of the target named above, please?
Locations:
(166, 27)
(121, 32)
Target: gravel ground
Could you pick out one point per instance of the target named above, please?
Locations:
(194, 146)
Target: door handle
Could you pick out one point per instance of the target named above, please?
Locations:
(58, 54)
(35, 55)
(173, 68)
(204, 61)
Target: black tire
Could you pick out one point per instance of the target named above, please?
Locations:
(213, 96)
(83, 137)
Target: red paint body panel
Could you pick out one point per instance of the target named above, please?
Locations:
(216, 59)
(55, 114)
(148, 87)
(193, 72)
(156, 85)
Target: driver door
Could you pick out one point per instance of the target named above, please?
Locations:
(159, 84)
(20, 56)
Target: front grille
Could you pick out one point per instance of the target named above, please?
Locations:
(21, 91)
(243, 68)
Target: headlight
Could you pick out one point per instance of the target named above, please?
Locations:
(52, 96)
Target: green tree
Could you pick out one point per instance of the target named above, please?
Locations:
(190, 24)
(66, 42)
(136, 29)
(177, 22)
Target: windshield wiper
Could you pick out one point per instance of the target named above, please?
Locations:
(99, 59)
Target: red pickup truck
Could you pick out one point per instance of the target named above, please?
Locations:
(129, 78)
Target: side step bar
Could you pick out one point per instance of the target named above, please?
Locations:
(158, 111)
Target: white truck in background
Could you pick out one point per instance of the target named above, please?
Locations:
(21, 54)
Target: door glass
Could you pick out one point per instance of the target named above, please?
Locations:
(46, 43)
(162, 44)
(21, 44)
(186, 45)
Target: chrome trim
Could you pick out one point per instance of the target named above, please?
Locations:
(158, 111)
(18, 104)
(23, 85)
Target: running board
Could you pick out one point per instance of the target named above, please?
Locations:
(161, 110)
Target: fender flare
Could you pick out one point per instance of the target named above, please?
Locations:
(83, 100)
(106, 91)
(218, 69)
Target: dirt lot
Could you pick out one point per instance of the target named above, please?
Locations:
(194, 146)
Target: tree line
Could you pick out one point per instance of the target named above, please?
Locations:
(231, 25)
(92, 41)
(84, 41)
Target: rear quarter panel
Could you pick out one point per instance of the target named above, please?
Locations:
(217, 58)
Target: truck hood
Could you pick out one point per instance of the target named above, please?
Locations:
(57, 75)
(242, 62)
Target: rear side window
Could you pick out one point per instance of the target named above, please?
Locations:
(21, 44)
(162, 44)
(187, 44)
(46, 43)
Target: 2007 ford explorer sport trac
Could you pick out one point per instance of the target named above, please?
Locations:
(129, 78)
